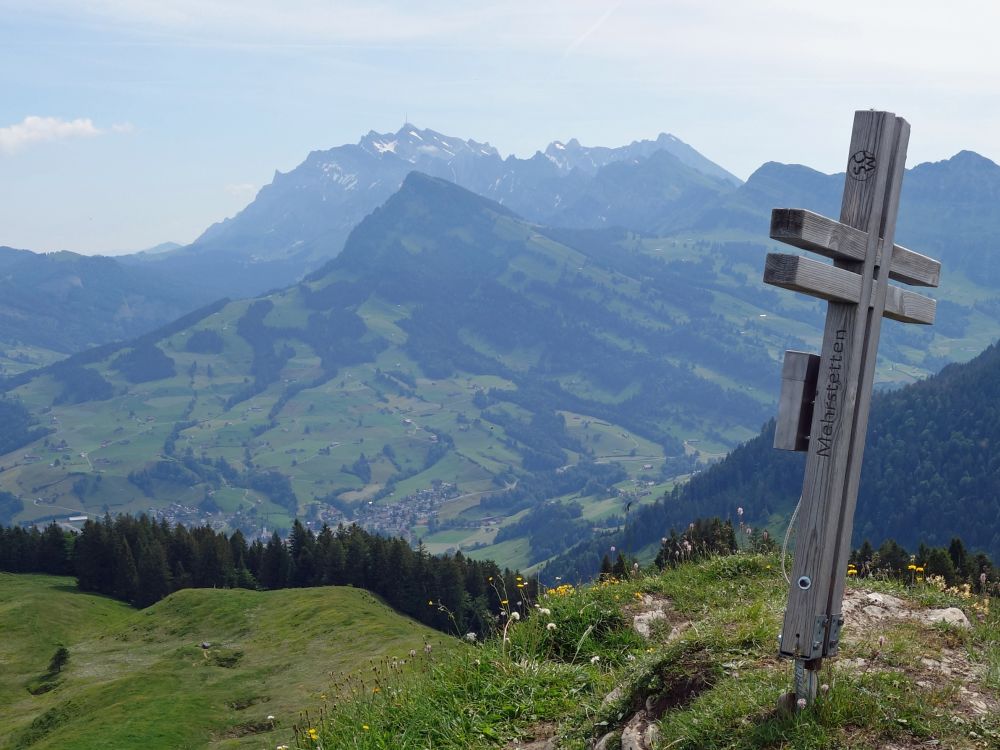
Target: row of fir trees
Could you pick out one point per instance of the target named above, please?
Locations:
(140, 561)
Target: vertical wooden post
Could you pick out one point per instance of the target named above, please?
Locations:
(840, 414)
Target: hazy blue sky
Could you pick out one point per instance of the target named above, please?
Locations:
(125, 123)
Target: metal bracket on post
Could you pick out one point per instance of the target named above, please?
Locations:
(833, 643)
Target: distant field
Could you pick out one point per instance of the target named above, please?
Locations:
(139, 679)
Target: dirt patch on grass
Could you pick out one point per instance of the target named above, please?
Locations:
(540, 736)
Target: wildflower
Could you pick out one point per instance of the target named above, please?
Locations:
(470, 637)
(313, 734)
(739, 511)
(911, 566)
(824, 688)
(413, 652)
(520, 585)
(613, 548)
(271, 718)
(515, 616)
(282, 747)
(630, 657)
(376, 689)
(551, 626)
(430, 603)
(801, 703)
(920, 569)
(519, 578)
(638, 595)
(595, 659)
(544, 611)
(365, 727)
(503, 601)
(428, 648)
(490, 579)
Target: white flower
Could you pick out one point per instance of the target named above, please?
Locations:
(470, 637)
(801, 703)
(413, 652)
(515, 616)
(545, 611)
(270, 718)
(630, 657)
(550, 626)
(594, 659)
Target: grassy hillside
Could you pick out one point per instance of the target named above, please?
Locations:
(140, 678)
(706, 676)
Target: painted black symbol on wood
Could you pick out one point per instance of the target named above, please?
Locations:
(861, 165)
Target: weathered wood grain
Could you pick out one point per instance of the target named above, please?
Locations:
(812, 277)
(909, 307)
(810, 231)
(795, 406)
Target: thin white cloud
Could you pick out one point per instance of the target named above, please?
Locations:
(34, 129)
(586, 35)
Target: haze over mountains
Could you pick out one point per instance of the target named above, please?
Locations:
(584, 325)
(304, 216)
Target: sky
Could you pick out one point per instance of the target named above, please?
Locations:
(127, 123)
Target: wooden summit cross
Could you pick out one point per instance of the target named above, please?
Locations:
(825, 399)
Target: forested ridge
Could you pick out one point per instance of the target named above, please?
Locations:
(931, 473)
(140, 561)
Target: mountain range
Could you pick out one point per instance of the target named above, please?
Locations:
(303, 217)
(586, 325)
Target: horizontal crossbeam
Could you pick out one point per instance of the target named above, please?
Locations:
(812, 277)
(818, 234)
(837, 285)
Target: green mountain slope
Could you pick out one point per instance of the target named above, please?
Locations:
(141, 679)
(64, 302)
(450, 371)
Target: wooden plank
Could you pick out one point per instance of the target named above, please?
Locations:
(881, 223)
(810, 231)
(812, 277)
(909, 307)
(840, 414)
(795, 406)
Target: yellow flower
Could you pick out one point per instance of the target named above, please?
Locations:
(430, 603)
(365, 727)
(520, 585)
(911, 566)
(313, 734)
(503, 601)
(920, 569)
(376, 690)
